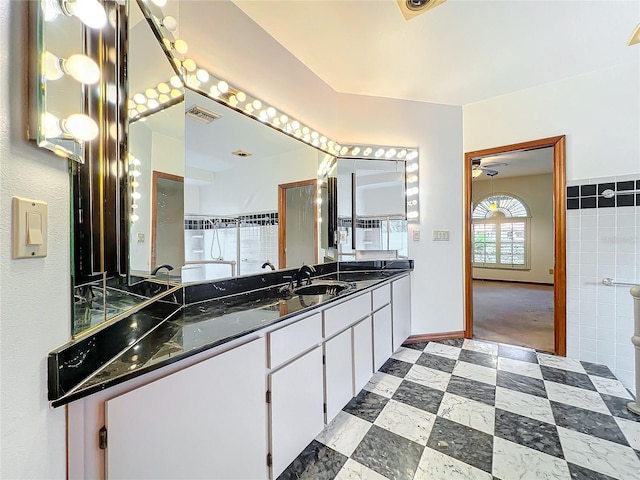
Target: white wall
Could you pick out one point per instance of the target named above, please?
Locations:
(34, 293)
(600, 115)
(537, 193)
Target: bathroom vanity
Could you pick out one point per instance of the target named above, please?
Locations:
(193, 398)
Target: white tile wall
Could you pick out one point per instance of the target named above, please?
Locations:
(602, 242)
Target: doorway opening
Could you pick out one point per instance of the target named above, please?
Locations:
(515, 276)
(298, 224)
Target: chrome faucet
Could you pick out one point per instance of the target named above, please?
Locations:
(160, 267)
(268, 264)
(304, 271)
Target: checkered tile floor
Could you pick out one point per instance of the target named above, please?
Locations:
(477, 410)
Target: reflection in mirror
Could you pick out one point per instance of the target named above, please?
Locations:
(371, 196)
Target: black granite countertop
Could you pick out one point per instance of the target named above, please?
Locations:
(212, 314)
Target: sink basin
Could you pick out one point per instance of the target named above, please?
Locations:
(322, 288)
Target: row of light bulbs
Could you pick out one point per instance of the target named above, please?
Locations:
(134, 175)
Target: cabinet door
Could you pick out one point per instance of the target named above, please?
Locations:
(296, 408)
(338, 371)
(401, 302)
(206, 421)
(382, 337)
(362, 354)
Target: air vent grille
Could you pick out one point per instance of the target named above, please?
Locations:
(202, 115)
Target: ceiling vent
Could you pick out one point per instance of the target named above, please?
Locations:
(202, 115)
(413, 8)
(241, 153)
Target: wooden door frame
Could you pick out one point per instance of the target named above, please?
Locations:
(559, 218)
(156, 175)
(282, 219)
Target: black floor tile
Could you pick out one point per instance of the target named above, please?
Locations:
(582, 473)
(478, 358)
(566, 377)
(618, 407)
(396, 368)
(436, 362)
(419, 396)
(472, 389)
(389, 454)
(521, 383)
(366, 405)
(599, 370)
(463, 443)
(415, 346)
(454, 342)
(517, 354)
(316, 462)
(528, 432)
(586, 421)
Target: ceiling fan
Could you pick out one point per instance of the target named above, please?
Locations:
(477, 168)
(413, 8)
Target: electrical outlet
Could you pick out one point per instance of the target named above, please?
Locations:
(140, 237)
(440, 235)
(416, 235)
(551, 271)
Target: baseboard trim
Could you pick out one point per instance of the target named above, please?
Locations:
(432, 337)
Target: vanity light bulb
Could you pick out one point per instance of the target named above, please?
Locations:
(50, 10)
(89, 12)
(175, 81)
(412, 179)
(223, 86)
(163, 88)
(412, 191)
(412, 168)
(170, 23)
(82, 68)
(134, 206)
(153, 103)
(315, 142)
(52, 67)
(189, 65)
(134, 217)
(314, 135)
(248, 108)
(215, 93)
(402, 153)
(50, 124)
(135, 161)
(344, 150)
(257, 104)
(390, 153)
(412, 214)
(163, 98)
(175, 93)
(241, 96)
(307, 137)
(305, 130)
(135, 184)
(379, 152)
(295, 124)
(159, 3)
(284, 119)
(233, 101)
(136, 195)
(141, 108)
(132, 113)
(355, 151)
(411, 155)
(81, 127)
(140, 99)
(323, 139)
(202, 75)
(276, 122)
(263, 116)
(271, 112)
(367, 151)
(151, 93)
(135, 174)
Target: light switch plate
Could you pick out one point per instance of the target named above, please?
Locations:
(440, 235)
(416, 235)
(29, 228)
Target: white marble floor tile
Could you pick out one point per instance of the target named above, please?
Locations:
(428, 377)
(520, 347)
(602, 456)
(560, 362)
(523, 404)
(511, 461)
(407, 421)
(468, 412)
(519, 367)
(344, 433)
(631, 430)
(610, 387)
(436, 465)
(483, 347)
(578, 397)
(407, 354)
(353, 470)
(475, 372)
(443, 350)
(383, 384)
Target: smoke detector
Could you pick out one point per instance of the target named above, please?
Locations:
(413, 8)
(201, 115)
(241, 153)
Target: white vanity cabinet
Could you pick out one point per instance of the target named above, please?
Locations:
(401, 303)
(206, 421)
(295, 395)
(362, 334)
(382, 336)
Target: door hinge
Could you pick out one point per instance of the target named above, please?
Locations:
(268, 396)
(269, 460)
(324, 407)
(324, 359)
(102, 438)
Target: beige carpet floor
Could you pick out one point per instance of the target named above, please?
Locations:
(515, 313)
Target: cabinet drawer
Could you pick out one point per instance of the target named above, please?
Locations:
(292, 340)
(381, 296)
(346, 314)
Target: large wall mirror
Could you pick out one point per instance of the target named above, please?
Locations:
(217, 190)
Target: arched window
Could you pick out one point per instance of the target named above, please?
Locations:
(501, 232)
